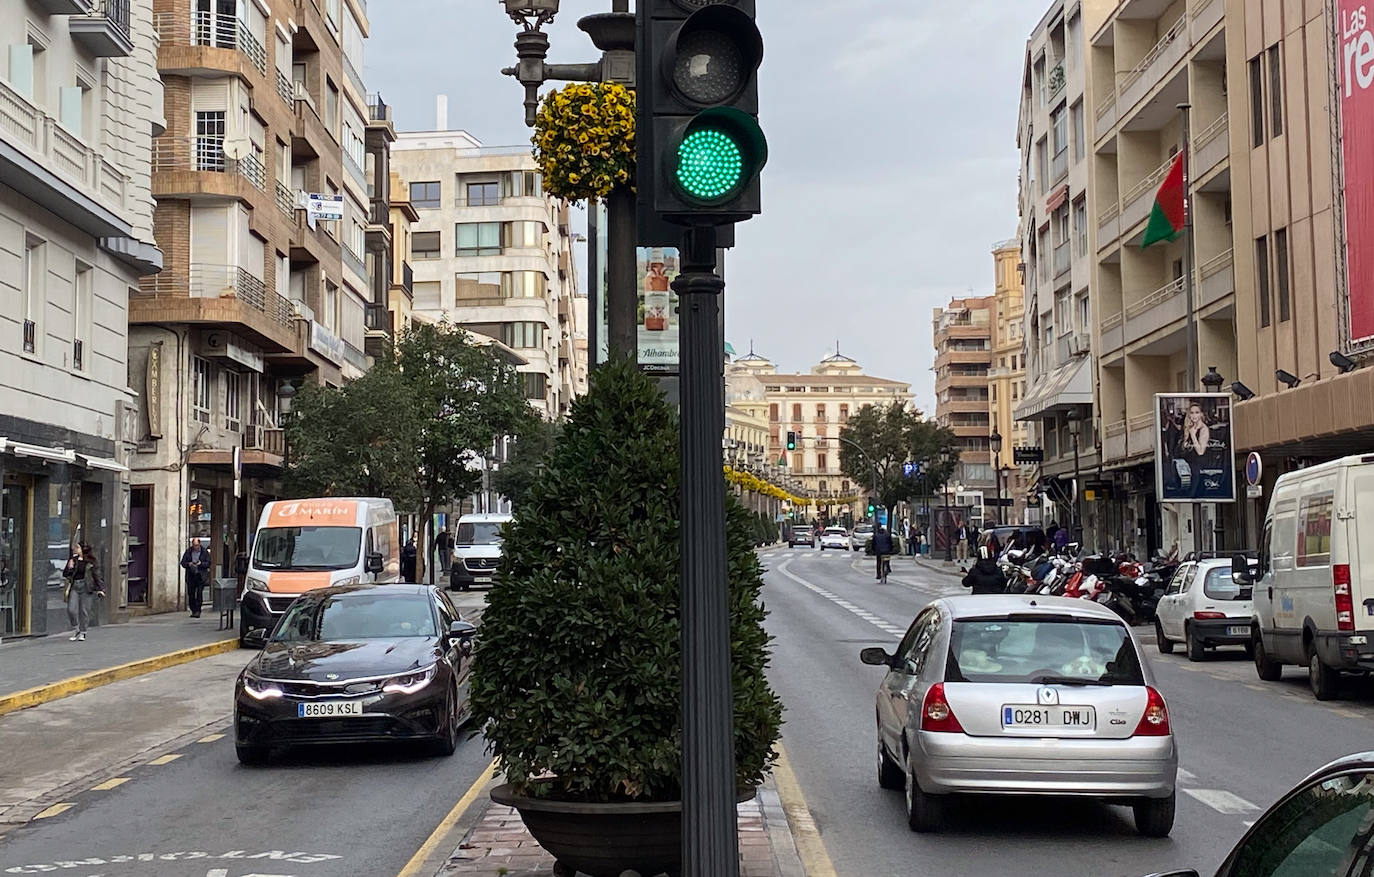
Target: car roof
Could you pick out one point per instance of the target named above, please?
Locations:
(982, 605)
(392, 589)
(484, 518)
(1354, 761)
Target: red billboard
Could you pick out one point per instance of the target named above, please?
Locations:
(1356, 65)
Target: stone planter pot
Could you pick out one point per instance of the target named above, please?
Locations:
(604, 840)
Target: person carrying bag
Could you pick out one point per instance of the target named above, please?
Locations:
(84, 584)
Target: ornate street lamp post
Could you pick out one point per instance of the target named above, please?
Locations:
(947, 457)
(995, 441)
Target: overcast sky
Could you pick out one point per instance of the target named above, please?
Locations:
(892, 170)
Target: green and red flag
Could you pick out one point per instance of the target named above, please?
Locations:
(1168, 216)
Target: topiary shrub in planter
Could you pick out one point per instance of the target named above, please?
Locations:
(577, 676)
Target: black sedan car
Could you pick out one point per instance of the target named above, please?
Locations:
(358, 663)
(1321, 827)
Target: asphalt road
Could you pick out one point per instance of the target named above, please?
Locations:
(1243, 743)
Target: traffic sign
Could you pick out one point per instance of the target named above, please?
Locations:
(1254, 469)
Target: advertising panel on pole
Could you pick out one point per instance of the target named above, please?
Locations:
(324, 208)
(1193, 455)
(1355, 63)
(656, 268)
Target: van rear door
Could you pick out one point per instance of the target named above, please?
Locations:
(1359, 540)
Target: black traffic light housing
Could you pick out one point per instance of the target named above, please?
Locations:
(697, 78)
(791, 441)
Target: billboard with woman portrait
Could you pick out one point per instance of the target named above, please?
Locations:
(1193, 456)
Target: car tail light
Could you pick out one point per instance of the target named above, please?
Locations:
(1208, 616)
(1345, 605)
(936, 714)
(1155, 721)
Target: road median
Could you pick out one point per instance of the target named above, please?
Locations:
(41, 694)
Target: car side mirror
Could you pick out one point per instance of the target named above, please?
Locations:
(256, 633)
(877, 657)
(375, 563)
(461, 634)
(1240, 570)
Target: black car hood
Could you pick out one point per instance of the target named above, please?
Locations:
(317, 661)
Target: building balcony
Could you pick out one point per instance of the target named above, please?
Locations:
(963, 406)
(314, 243)
(1154, 312)
(1063, 259)
(1114, 441)
(311, 138)
(1162, 58)
(105, 31)
(225, 295)
(1211, 147)
(1106, 113)
(1140, 198)
(1059, 166)
(963, 357)
(286, 200)
(66, 7)
(196, 42)
(1112, 333)
(408, 278)
(956, 381)
(186, 166)
(1216, 279)
(1056, 81)
(1109, 225)
(1205, 14)
(379, 116)
(1140, 435)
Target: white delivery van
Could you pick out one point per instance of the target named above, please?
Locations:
(307, 544)
(1314, 584)
(476, 550)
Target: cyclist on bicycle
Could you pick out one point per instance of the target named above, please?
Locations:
(882, 549)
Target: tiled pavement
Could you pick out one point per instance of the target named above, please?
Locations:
(499, 846)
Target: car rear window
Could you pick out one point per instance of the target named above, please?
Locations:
(1220, 586)
(1029, 650)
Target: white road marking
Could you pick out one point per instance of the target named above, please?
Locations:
(54, 810)
(110, 784)
(1223, 801)
(1186, 776)
(164, 759)
(880, 623)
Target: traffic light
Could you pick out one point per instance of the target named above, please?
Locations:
(791, 441)
(700, 147)
(871, 508)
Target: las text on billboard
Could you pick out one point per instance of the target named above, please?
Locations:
(1356, 72)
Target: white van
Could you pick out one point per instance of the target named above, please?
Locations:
(1314, 585)
(307, 544)
(476, 550)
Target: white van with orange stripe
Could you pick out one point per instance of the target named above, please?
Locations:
(306, 544)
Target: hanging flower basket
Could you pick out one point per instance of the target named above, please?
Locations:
(584, 140)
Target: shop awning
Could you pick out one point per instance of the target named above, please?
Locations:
(103, 463)
(55, 455)
(1065, 387)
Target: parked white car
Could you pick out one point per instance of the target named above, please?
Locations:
(836, 537)
(1203, 607)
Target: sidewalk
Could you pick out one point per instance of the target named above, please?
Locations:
(499, 846)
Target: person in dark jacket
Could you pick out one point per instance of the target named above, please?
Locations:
(882, 549)
(84, 584)
(196, 562)
(408, 557)
(985, 577)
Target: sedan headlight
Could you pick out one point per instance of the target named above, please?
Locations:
(351, 580)
(252, 584)
(410, 683)
(260, 689)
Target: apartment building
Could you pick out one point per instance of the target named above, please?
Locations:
(492, 252)
(963, 333)
(816, 406)
(80, 102)
(1007, 381)
(263, 212)
(1293, 177)
(1144, 60)
(1055, 204)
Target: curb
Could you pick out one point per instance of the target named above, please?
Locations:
(75, 685)
(810, 847)
(434, 854)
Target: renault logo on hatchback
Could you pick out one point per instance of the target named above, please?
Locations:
(1049, 697)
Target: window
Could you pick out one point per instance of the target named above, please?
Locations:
(522, 184)
(1059, 128)
(1080, 147)
(796, 413)
(210, 141)
(35, 289)
(1040, 85)
(483, 194)
(81, 314)
(233, 401)
(73, 108)
(525, 235)
(1275, 91)
(844, 417)
(1063, 312)
(331, 107)
(201, 388)
(1084, 313)
(424, 245)
(536, 385)
(479, 238)
(1281, 274)
(820, 414)
(1042, 161)
(1256, 103)
(524, 284)
(773, 412)
(821, 462)
(331, 307)
(522, 335)
(1323, 829)
(1080, 221)
(425, 195)
(798, 462)
(1262, 279)
(1061, 225)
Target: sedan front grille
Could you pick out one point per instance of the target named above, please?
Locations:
(325, 729)
(306, 689)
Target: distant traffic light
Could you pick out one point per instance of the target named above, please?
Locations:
(871, 507)
(791, 441)
(700, 147)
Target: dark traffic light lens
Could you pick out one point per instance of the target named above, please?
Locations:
(710, 164)
(709, 68)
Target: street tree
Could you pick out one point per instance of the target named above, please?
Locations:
(527, 461)
(879, 440)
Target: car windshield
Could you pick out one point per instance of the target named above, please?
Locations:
(479, 533)
(1218, 585)
(307, 548)
(350, 617)
(835, 531)
(1030, 650)
(863, 528)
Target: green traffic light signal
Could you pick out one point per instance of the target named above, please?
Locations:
(719, 154)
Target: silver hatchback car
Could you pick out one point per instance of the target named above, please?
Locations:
(1023, 695)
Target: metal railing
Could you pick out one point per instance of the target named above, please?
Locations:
(1112, 321)
(1178, 29)
(1151, 181)
(407, 277)
(1155, 299)
(1112, 212)
(215, 30)
(1215, 264)
(1063, 258)
(205, 153)
(78, 354)
(377, 318)
(1106, 105)
(1059, 165)
(116, 12)
(377, 109)
(1056, 80)
(220, 281)
(284, 89)
(286, 200)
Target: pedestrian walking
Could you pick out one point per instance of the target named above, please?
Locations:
(196, 562)
(84, 585)
(961, 543)
(443, 546)
(408, 557)
(985, 577)
(973, 534)
(913, 541)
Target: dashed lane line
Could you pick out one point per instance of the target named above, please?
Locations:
(54, 810)
(1222, 801)
(210, 738)
(165, 759)
(109, 784)
(880, 623)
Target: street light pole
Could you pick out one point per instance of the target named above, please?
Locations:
(995, 441)
(1075, 427)
(947, 458)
